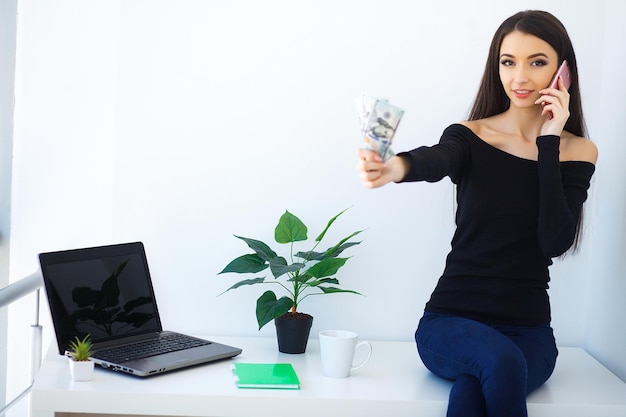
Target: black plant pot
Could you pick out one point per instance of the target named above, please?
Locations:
(292, 332)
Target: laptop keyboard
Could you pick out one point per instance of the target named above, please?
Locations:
(169, 342)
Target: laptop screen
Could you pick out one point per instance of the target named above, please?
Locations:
(105, 292)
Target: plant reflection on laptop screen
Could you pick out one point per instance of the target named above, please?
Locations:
(104, 311)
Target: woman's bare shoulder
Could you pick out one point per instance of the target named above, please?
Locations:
(475, 126)
(484, 128)
(576, 148)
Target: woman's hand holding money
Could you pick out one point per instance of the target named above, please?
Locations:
(375, 173)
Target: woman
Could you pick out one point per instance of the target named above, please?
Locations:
(522, 168)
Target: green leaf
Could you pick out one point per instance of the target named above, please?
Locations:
(264, 251)
(311, 255)
(290, 229)
(330, 252)
(244, 264)
(250, 281)
(326, 268)
(330, 222)
(268, 307)
(335, 250)
(332, 290)
(318, 282)
(279, 266)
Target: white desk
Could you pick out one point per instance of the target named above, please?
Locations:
(394, 382)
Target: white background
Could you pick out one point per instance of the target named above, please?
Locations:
(181, 123)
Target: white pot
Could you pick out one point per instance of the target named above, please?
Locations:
(81, 370)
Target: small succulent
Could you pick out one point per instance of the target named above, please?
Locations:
(81, 349)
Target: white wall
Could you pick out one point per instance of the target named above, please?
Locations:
(63, 139)
(181, 123)
(606, 280)
(8, 24)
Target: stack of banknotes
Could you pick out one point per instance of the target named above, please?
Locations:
(379, 122)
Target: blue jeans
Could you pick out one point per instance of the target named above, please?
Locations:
(494, 367)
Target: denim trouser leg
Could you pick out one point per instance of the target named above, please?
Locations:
(494, 366)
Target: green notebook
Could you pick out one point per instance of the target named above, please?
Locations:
(265, 375)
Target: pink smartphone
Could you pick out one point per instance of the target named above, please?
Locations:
(565, 75)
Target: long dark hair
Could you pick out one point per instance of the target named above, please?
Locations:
(492, 99)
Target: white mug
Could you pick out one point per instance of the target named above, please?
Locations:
(337, 348)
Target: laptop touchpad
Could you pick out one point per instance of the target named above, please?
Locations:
(170, 358)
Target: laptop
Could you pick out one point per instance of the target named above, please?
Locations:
(106, 292)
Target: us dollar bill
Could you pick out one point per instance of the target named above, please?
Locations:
(379, 122)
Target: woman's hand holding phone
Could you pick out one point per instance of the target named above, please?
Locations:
(555, 101)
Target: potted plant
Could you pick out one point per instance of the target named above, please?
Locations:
(81, 366)
(301, 274)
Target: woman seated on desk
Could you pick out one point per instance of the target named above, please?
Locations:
(522, 168)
